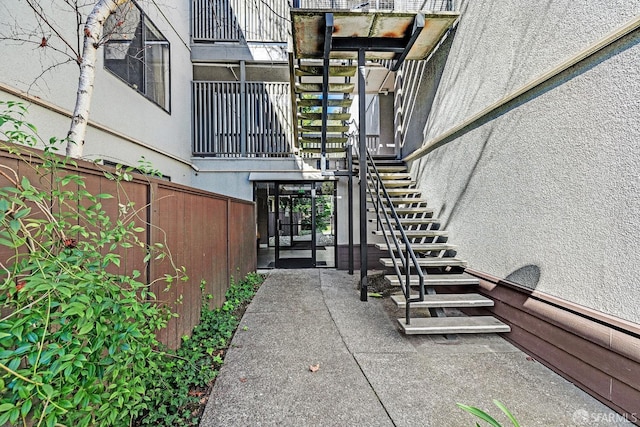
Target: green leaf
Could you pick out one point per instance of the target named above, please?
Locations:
(479, 414)
(26, 407)
(25, 183)
(6, 407)
(506, 412)
(86, 328)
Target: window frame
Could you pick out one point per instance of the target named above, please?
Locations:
(118, 38)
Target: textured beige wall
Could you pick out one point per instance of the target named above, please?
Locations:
(547, 191)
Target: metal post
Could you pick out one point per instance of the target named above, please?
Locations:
(243, 109)
(350, 201)
(362, 139)
(313, 224)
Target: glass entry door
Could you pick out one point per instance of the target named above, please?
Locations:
(304, 225)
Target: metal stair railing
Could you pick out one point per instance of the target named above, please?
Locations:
(407, 260)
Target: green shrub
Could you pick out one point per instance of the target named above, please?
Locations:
(190, 371)
(77, 341)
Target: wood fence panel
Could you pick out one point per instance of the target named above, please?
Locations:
(242, 238)
(212, 236)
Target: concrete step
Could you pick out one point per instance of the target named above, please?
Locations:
(431, 262)
(399, 192)
(318, 129)
(412, 222)
(462, 279)
(315, 154)
(419, 247)
(412, 234)
(396, 183)
(387, 168)
(317, 102)
(445, 300)
(334, 70)
(330, 117)
(405, 200)
(317, 87)
(453, 325)
(394, 176)
(407, 211)
(407, 222)
(318, 141)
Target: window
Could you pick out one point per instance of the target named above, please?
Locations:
(138, 53)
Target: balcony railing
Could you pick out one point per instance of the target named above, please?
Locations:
(394, 5)
(240, 20)
(267, 21)
(232, 119)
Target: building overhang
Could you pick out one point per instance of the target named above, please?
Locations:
(291, 176)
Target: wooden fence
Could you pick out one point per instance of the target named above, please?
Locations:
(212, 236)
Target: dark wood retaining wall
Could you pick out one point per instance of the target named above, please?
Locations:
(212, 236)
(597, 352)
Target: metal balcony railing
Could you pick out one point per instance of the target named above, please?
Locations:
(394, 5)
(267, 21)
(240, 20)
(232, 119)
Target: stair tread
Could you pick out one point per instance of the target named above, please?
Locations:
(431, 262)
(453, 325)
(397, 183)
(317, 87)
(318, 129)
(412, 233)
(317, 140)
(402, 191)
(412, 221)
(460, 279)
(419, 247)
(330, 116)
(399, 175)
(317, 102)
(445, 300)
(334, 70)
(406, 210)
(406, 200)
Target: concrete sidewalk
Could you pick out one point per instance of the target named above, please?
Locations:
(370, 374)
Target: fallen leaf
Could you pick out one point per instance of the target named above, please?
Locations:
(375, 294)
(314, 368)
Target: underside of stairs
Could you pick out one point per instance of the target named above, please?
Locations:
(417, 228)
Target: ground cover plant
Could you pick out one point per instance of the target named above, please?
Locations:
(78, 343)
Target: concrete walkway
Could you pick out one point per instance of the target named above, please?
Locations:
(369, 373)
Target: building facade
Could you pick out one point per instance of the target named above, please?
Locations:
(521, 128)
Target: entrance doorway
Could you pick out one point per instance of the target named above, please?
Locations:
(301, 224)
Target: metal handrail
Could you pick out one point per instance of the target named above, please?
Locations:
(411, 256)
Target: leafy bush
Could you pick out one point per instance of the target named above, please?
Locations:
(189, 373)
(77, 340)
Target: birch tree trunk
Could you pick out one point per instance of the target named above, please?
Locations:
(93, 30)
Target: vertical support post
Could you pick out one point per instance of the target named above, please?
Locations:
(313, 223)
(328, 33)
(243, 108)
(362, 140)
(276, 235)
(350, 201)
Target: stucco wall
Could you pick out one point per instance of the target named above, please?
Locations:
(546, 192)
(114, 104)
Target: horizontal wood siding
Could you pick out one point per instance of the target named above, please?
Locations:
(599, 353)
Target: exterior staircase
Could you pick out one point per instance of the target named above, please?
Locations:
(310, 109)
(434, 255)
